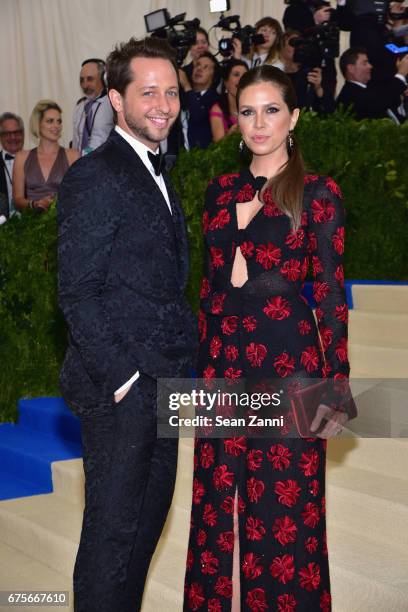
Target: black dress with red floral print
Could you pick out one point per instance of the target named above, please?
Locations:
(266, 329)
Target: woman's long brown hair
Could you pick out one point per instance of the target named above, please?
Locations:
(287, 186)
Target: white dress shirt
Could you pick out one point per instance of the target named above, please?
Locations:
(8, 163)
(142, 151)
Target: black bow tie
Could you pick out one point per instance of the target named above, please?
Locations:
(8, 157)
(156, 161)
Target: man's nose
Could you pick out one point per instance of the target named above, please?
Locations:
(164, 104)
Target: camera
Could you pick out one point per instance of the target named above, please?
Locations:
(247, 35)
(379, 9)
(179, 33)
(317, 45)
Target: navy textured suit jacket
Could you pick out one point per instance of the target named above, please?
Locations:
(123, 268)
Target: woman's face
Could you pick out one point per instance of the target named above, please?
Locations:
(269, 35)
(235, 75)
(264, 118)
(51, 124)
(200, 46)
(288, 50)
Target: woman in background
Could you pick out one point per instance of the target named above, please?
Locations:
(269, 52)
(224, 114)
(38, 172)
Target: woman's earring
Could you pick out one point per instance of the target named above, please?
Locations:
(241, 146)
(291, 142)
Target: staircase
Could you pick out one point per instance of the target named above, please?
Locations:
(367, 491)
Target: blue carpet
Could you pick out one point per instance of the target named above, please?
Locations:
(46, 431)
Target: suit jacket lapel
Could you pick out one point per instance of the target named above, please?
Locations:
(3, 178)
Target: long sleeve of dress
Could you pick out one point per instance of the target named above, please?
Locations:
(326, 243)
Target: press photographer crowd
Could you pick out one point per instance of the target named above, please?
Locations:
(306, 46)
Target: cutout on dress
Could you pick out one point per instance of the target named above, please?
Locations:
(245, 214)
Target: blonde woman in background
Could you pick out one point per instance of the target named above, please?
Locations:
(38, 172)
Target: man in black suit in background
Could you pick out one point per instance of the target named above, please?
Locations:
(371, 99)
(123, 267)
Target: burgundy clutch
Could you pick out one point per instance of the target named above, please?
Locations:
(304, 404)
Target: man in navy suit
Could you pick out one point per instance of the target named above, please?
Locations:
(123, 267)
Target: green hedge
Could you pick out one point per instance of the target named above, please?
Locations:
(368, 159)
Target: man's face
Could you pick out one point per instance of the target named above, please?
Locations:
(361, 70)
(90, 80)
(151, 102)
(203, 73)
(11, 137)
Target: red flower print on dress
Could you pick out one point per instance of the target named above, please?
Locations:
(310, 359)
(339, 275)
(201, 537)
(195, 596)
(268, 255)
(280, 456)
(228, 505)
(217, 257)
(291, 269)
(341, 350)
(310, 178)
(207, 455)
(202, 325)
(320, 290)
(247, 249)
(190, 559)
(326, 336)
(246, 193)
(209, 563)
(221, 219)
(322, 211)
(205, 221)
(210, 516)
(215, 347)
(325, 601)
(231, 352)
(209, 372)
(311, 544)
(341, 313)
(283, 568)
(284, 365)
(256, 600)
(324, 547)
(288, 492)
(229, 325)
(309, 576)
(254, 528)
(249, 323)
(223, 586)
(278, 308)
(304, 327)
(205, 288)
(314, 487)
(255, 489)
(323, 510)
(222, 478)
(214, 605)
(334, 188)
(217, 304)
(319, 314)
(311, 515)
(225, 541)
(232, 376)
(338, 240)
(286, 603)
(241, 505)
(235, 446)
(224, 198)
(256, 354)
(254, 459)
(252, 567)
(317, 266)
(198, 491)
(294, 240)
(285, 530)
(309, 462)
(227, 180)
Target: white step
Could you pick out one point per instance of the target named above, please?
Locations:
(385, 298)
(378, 328)
(385, 456)
(68, 480)
(379, 361)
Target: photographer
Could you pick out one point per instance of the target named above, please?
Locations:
(312, 91)
(200, 46)
(372, 99)
(268, 52)
(304, 15)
